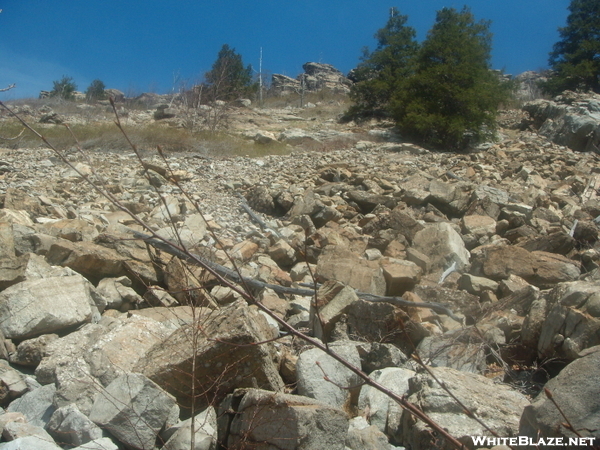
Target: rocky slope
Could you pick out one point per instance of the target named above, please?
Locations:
(108, 342)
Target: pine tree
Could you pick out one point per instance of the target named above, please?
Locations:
(229, 79)
(576, 57)
(452, 98)
(381, 71)
(95, 91)
(64, 88)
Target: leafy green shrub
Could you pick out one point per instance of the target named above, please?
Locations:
(64, 88)
(576, 57)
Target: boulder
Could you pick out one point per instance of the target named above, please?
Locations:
(576, 391)
(225, 353)
(68, 425)
(341, 264)
(205, 433)
(460, 349)
(497, 405)
(333, 299)
(541, 269)
(361, 436)
(134, 409)
(90, 260)
(314, 365)
(12, 384)
(573, 320)
(37, 405)
(442, 245)
(42, 306)
(570, 119)
(30, 352)
(118, 293)
(98, 444)
(30, 443)
(265, 420)
(400, 275)
(379, 409)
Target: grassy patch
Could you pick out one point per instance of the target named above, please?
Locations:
(106, 136)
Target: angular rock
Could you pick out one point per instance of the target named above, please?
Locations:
(134, 409)
(376, 356)
(333, 299)
(476, 285)
(37, 405)
(98, 444)
(573, 320)
(345, 266)
(30, 443)
(479, 226)
(400, 276)
(205, 433)
(442, 245)
(361, 436)
(311, 382)
(42, 306)
(576, 391)
(380, 410)
(91, 260)
(538, 268)
(264, 420)
(12, 384)
(460, 349)
(497, 405)
(118, 293)
(69, 425)
(225, 354)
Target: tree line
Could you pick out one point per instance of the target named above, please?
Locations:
(441, 92)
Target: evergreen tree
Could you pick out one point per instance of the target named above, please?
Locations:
(95, 91)
(380, 72)
(452, 98)
(576, 57)
(229, 79)
(64, 88)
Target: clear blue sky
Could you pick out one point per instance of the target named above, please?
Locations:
(138, 46)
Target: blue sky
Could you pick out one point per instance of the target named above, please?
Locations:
(139, 46)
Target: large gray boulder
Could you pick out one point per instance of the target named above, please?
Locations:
(69, 425)
(37, 406)
(30, 443)
(570, 119)
(205, 433)
(497, 405)
(225, 353)
(265, 420)
(576, 391)
(42, 306)
(344, 265)
(93, 356)
(573, 320)
(380, 410)
(98, 444)
(134, 409)
(314, 365)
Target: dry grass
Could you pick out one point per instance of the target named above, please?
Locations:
(106, 137)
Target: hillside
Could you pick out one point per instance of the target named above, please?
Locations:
(480, 269)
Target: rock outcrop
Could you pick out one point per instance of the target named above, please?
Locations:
(316, 77)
